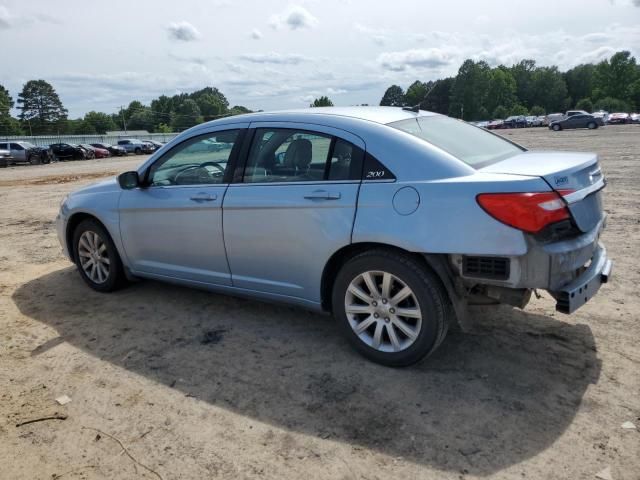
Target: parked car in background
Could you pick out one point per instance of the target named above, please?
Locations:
(635, 118)
(495, 125)
(115, 150)
(533, 121)
(515, 121)
(344, 220)
(577, 121)
(153, 145)
(157, 144)
(571, 113)
(603, 114)
(482, 123)
(5, 158)
(133, 145)
(97, 152)
(25, 152)
(89, 153)
(618, 118)
(552, 117)
(67, 151)
(542, 119)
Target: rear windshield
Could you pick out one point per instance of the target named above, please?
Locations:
(473, 145)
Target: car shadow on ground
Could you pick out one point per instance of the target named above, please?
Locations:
(484, 401)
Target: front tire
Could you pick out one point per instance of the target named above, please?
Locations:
(592, 125)
(96, 257)
(392, 309)
(556, 128)
(138, 151)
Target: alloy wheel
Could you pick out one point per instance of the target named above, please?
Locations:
(94, 257)
(383, 311)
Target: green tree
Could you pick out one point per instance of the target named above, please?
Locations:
(500, 112)
(416, 94)
(579, 81)
(134, 107)
(210, 98)
(549, 90)
(634, 91)
(502, 89)
(101, 122)
(537, 110)
(163, 128)
(322, 102)
(522, 72)
(41, 110)
(393, 97)
(614, 77)
(6, 102)
(469, 90)
(187, 115)
(611, 105)
(238, 110)
(518, 110)
(585, 104)
(81, 127)
(439, 97)
(142, 120)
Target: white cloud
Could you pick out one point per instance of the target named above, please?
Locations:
(273, 57)
(430, 58)
(183, 32)
(294, 17)
(6, 18)
(335, 91)
(256, 34)
(377, 35)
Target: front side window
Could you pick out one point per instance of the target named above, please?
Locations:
(201, 160)
(474, 146)
(15, 146)
(289, 155)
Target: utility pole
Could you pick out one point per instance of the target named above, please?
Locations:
(124, 124)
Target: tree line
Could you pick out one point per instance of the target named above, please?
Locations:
(479, 92)
(41, 112)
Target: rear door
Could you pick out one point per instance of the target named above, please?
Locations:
(18, 152)
(292, 206)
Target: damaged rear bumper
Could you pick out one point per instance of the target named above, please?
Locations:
(572, 296)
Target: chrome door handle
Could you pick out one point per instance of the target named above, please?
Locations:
(322, 195)
(203, 197)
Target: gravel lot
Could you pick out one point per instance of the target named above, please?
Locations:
(196, 385)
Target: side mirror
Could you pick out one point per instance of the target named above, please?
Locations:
(129, 180)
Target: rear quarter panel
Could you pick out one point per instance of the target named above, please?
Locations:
(448, 218)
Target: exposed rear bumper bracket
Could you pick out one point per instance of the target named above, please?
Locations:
(578, 292)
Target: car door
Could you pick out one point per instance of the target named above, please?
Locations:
(18, 152)
(172, 227)
(291, 207)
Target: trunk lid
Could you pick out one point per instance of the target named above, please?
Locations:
(563, 171)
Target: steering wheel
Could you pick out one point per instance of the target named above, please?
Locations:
(201, 178)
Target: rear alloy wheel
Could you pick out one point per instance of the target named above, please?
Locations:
(138, 151)
(96, 257)
(592, 125)
(556, 128)
(391, 309)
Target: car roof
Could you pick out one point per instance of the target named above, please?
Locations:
(382, 115)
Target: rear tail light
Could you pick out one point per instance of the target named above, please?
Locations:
(530, 212)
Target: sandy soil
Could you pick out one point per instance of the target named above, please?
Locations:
(196, 385)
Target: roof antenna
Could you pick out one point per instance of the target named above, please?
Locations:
(416, 108)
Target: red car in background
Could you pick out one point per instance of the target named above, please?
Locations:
(496, 124)
(97, 152)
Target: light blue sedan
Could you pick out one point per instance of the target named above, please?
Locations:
(392, 219)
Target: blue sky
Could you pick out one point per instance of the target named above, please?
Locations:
(277, 54)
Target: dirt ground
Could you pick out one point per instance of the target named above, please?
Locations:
(196, 385)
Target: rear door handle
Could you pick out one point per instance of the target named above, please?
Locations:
(203, 197)
(322, 195)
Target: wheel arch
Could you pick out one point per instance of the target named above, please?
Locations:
(437, 263)
(74, 220)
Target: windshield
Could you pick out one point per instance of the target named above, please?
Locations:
(27, 144)
(473, 145)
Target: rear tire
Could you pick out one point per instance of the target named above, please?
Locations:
(400, 323)
(96, 257)
(556, 128)
(138, 151)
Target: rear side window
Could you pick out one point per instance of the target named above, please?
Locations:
(474, 146)
(290, 155)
